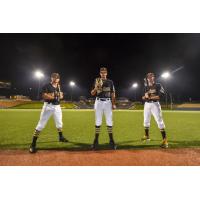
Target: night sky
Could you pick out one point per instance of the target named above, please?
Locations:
(78, 57)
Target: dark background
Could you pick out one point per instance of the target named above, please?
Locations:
(78, 57)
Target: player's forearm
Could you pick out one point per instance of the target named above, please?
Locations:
(48, 96)
(155, 98)
(93, 92)
(113, 99)
(144, 98)
(61, 96)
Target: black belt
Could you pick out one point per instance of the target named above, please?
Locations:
(52, 103)
(152, 101)
(103, 99)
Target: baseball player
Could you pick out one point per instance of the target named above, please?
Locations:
(104, 91)
(52, 94)
(153, 92)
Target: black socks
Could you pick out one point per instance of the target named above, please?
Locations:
(35, 137)
(164, 136)
(60, 134)
(110, 133)
(97, 131)
(146, 132)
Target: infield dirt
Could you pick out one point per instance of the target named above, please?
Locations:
(162, 157)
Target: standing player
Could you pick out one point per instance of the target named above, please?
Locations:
(153, 93)
(105, 101)
(51, 93)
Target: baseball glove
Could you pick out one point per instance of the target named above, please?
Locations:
(98, 84)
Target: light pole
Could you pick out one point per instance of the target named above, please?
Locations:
(135, 86)
(72, 84)
(165, 76)
(39, 75)
(30, 89)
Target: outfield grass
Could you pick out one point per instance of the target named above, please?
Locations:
(17, 127)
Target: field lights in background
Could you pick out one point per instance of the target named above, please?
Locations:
(39, 74)
(166, 75)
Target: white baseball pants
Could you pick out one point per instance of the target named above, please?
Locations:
(47, 111)
(154, 109)
(103, 107)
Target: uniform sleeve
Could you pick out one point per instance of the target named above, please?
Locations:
(44, 89)
(112, 87)
(61, 88)
(161, 91)
(144, 89)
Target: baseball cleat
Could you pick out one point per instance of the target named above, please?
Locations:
(94, 146)
(113, 145)
(164, 144)
(145, 139)
(32, 149)
(63, 139)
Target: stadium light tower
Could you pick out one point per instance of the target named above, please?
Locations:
(72, 84)
(135, 86)
(39, 75)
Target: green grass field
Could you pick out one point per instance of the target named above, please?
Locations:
(17, 127)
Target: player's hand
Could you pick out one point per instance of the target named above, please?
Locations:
(114, 107)
(146, 95)
(61, 95)
(96, 88)
(48, 96)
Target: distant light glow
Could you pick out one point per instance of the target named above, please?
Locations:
(39, 74)
(135, 85)
(72, 83)
(165, 75)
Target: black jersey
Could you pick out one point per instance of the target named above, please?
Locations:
(48, 88)
(107, 89)
(155, 90)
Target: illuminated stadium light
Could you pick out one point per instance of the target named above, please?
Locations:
(39, 74)
(72, 83)
(165, 75)
(135, 85)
